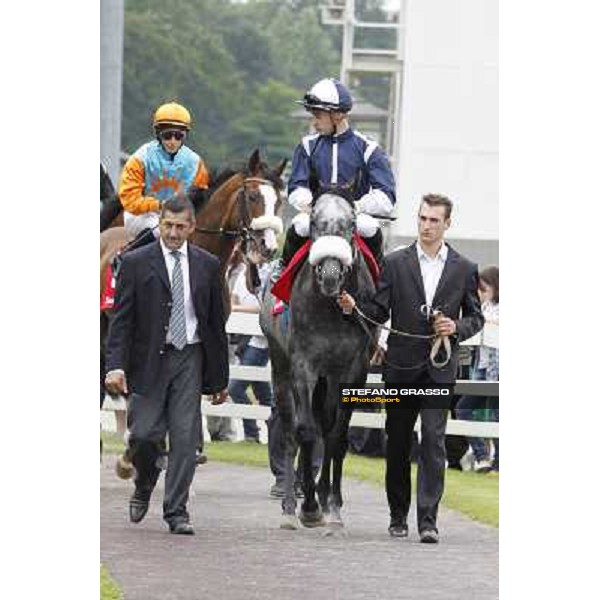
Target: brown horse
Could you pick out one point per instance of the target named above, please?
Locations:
(244, 207)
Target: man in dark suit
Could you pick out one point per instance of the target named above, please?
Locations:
(167, 346)
(429, 288)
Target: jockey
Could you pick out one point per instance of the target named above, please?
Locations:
(337, 155)
(158, 170)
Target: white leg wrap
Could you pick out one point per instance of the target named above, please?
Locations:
(301, 223)
(366, 225)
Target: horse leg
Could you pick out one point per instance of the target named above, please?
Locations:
(337, 442)
(326, 416)
(310, 513)
(340, 447)
(324, 485)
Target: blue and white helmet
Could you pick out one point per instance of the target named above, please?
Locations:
(328, 94)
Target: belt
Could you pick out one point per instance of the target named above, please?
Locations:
(172, 347)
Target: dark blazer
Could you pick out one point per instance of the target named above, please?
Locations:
(136, 338)
(400, 289)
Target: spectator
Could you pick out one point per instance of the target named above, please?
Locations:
(485, 367)
(251, 352)
(221, 428)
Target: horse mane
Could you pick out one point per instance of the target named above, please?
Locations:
(221, 178)
(230, 170)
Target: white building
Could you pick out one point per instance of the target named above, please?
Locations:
(449, 120)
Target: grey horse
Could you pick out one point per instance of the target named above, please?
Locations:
(320, 349)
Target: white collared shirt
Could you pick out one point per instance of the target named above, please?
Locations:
(431, 270)
(191, 322)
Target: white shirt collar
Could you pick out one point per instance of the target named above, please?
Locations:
(167, 252)
(441, 255)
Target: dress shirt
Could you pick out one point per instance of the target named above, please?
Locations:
(191, 322)
(431, 270)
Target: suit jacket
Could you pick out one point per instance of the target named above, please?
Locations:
(400, 289)
(136, 339)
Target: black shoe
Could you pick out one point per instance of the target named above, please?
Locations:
(181, 528)
(200, 458)
(429, 536)
(398, 529)
(138, 505)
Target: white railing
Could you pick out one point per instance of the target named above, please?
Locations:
(247, 324)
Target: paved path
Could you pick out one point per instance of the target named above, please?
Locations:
(239, 552)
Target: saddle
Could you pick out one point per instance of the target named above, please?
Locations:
(282, 288)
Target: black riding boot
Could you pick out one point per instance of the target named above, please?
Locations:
(144, 237)
(293, 243)
(375, 244)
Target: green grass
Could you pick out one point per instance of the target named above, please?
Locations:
(472, 494)
(108, 588)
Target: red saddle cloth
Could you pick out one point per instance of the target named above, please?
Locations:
(282, 288)
(107, 298)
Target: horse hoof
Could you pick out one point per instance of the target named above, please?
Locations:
(124, 468)
(312, 519)
(289, 522)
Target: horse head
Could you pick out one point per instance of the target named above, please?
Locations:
(332, 223)
(258, 207)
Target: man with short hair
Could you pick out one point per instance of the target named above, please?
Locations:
(167, 346)
(429, 288)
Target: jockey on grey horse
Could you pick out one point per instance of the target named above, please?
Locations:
(336, 156)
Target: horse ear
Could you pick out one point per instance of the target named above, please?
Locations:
(254, 162)
(281, 167)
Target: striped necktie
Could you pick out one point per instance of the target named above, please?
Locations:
(177, 322)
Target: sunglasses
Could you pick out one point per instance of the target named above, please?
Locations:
(172, 133)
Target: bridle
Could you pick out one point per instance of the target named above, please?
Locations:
(244, 231)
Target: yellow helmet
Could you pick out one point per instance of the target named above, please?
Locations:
(172, 114)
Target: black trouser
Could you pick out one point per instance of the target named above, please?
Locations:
(173, 407)
(431, 472)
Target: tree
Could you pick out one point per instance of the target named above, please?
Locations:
(236, 66)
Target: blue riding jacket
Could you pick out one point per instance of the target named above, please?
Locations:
(337, 159)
